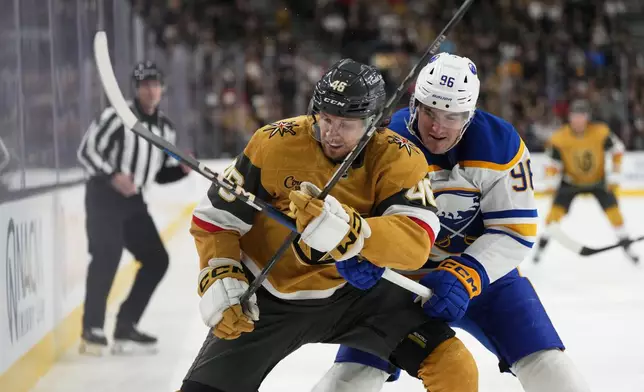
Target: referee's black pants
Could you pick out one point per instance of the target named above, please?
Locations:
(115, 222)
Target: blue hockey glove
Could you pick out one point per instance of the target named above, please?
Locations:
(454, 283)
(359, 273)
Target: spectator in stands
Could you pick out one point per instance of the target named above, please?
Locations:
(538, 57)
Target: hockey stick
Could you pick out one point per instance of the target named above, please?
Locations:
(115, 96)
(574, 246)
(385, 112)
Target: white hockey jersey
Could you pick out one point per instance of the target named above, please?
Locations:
(484, 193)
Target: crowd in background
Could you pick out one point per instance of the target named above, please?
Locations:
(534, 57)
(234, 65)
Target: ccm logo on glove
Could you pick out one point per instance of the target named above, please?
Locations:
(224, 271)
(352, 235)
(469, 277)
(221, 286)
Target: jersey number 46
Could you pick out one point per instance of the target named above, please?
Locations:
(422, 193)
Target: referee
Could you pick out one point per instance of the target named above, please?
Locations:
(121, 164)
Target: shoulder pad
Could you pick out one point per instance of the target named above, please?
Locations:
(395, 159)
(490, 142)
(285, 127)
(278, 138)
(391, 143)
(389, 149)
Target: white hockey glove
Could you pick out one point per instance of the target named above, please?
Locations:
(328, 226)
(221, 285)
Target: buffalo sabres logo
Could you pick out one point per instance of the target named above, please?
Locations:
(472, 68)
(401, 142)
(459, 212)
(281, 128)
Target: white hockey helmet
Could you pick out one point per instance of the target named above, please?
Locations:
(448, 82)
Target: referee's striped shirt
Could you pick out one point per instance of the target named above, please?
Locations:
(109, 148)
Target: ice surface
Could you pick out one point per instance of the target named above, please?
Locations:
(596, 303)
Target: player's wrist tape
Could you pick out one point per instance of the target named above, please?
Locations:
(219, 269)
(467, 273)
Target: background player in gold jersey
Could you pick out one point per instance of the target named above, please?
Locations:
(588, 157)
(382, 210)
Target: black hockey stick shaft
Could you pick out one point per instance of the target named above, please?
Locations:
(587, 251)
(113, 92)
(576, 247)
(122, 109)
(346, 163)
(218, 180)
(394, 99)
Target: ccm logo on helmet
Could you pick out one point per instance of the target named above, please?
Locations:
(441, 97)
(333, 102)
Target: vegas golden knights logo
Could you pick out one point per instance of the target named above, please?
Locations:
(403, 143)
(281, 128)
(584, 160)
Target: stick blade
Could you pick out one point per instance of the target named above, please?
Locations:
(108, 80)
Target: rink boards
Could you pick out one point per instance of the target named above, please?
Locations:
(44, 252)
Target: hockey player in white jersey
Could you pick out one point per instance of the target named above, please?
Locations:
(480, 173)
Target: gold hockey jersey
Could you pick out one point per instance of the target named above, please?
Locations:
(387, 185)
(582, 159)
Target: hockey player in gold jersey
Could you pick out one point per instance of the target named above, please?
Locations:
(382, 211)
(587, 156)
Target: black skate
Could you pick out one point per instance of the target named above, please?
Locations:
(128, 340)
(93, 342)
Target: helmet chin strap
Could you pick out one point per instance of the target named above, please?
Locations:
(316, 131)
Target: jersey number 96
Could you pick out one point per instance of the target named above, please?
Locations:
(522, 173)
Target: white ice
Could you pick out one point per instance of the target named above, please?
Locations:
(596, 303)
